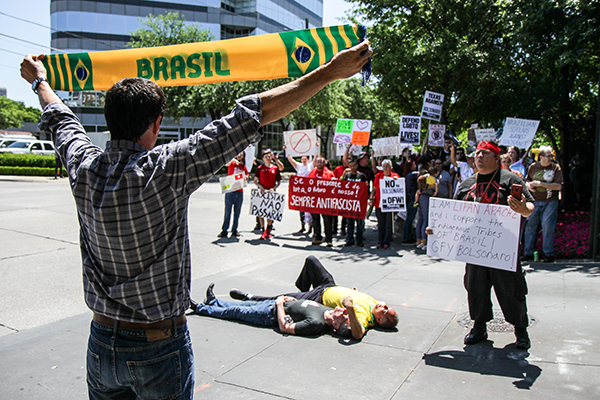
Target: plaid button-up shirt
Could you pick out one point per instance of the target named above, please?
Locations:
(132, 206)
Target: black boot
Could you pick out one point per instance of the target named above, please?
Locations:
(210, 295)
(477, 334)
(239, 295)
(523, 341)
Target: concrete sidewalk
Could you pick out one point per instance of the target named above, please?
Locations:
(424, 359)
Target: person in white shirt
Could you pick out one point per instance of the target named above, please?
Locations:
(302, 169)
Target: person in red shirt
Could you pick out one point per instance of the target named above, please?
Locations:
(322, 172)
(267, 177)
(338, 172)
(384, 219)
(236, 198)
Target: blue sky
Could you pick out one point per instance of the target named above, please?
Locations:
(12, 51)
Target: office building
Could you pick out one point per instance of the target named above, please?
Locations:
(83, 26)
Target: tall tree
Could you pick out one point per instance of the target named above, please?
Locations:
(14, 113)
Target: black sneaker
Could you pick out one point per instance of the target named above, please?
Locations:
(223, 234)
(360, 244)
(527, 257)
(549, 259)
(349, 244)
(235, 234)
(239, 295)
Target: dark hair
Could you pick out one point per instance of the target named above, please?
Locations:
(344, 330)
(131, 106)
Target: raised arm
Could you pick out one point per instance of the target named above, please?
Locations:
(357, 329)
(32, 69)
(282, 100)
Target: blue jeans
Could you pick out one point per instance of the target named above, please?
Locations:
(411, 211)
(360, 229)
(232, 200)
(259, 313)
(125, 365)
(423, 216)
(384, 226)
(545, 212)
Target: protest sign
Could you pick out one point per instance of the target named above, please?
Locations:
(476, 233)
(389, 146)
(355, 150)
(436, 135)
(330, 197)
(392, 194)
(518, 132)
(485, 134)
(410, 129)
(267, 205)
(355, 131)
(300, 143)
(432, 105)
(231, 183)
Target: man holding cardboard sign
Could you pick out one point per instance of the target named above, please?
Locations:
(492, 185)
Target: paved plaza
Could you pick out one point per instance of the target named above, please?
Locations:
(44, 323)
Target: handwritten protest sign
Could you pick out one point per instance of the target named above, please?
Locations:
(330, 197)
(300, 143)
(389, 146)
(410, 129)
(476, 233)
(267, 205)
(231, 183)
(485, 134)
(355, 150)
(392, 195)
(436, 135)
(518, 132)
(355, 131)
(432, 105)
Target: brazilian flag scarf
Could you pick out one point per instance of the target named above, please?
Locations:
(272, 56)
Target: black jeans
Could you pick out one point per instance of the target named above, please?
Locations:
(328, 222)
(510, 288)
(313, 274)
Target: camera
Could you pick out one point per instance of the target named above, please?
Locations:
(454, 139)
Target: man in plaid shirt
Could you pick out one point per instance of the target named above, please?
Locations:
(132, 206)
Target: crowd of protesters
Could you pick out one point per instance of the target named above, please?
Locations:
(436, 172)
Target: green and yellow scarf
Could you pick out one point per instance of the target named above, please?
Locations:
(272, 56)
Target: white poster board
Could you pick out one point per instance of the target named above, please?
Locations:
(432, 105)
(485, 134)
(436, 135)
(267, 205)
(355, 149)
(231, 183)
(410, 129)
(389, 146)
(300, 143)
(518, 132)
(476, 233)
(392, 194)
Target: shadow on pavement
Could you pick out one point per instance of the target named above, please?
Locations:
(592, 269)
(487, 360)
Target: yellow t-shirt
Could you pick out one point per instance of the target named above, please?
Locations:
(363, 303)
(430, 180)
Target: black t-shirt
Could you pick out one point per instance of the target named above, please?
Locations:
(309, 317)
(497, 191)
(358, 177)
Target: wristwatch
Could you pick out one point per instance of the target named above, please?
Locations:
(35, 84)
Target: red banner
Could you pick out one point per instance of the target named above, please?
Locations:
(331, 197)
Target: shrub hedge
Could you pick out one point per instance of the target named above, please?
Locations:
(27, 164)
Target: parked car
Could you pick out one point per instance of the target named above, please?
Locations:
(6, 142)
(30, 146)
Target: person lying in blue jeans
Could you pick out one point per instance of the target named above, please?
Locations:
(291, 316)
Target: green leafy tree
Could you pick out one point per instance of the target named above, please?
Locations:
(532, 59)
(14, 113)
(215, 99)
